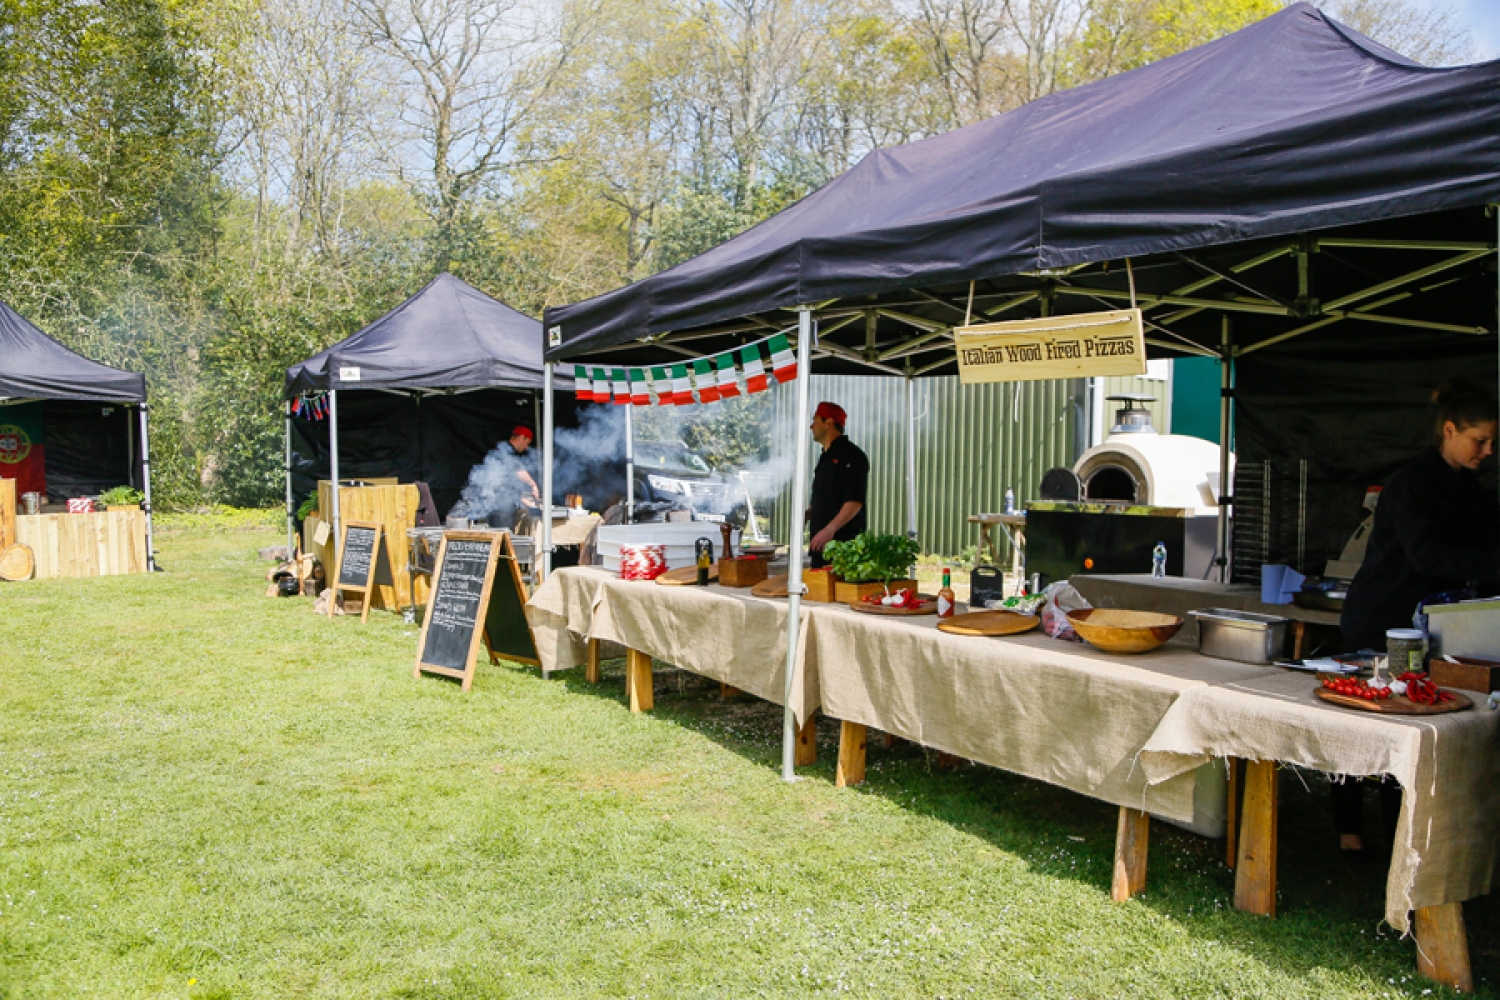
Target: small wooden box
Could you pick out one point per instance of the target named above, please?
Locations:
(742, 572)
(1470, 674)
(819, 584)
(851, 593)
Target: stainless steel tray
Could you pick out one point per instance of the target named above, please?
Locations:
(1246, 636)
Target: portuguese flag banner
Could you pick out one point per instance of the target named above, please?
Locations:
(21, 447)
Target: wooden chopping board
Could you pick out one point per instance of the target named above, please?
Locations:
(686, 576)
(989, 623)
(1397, 704)
(928, 606)
(774, 586)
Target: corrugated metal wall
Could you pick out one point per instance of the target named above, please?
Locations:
(972, 443)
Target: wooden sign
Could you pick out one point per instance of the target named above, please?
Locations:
(477, 596)
(363, 563)
(1076, 346)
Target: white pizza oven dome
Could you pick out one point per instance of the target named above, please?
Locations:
(1135, 464)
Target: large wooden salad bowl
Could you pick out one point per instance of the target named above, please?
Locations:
(1116, 631)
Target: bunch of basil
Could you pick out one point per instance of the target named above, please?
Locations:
(869, 557)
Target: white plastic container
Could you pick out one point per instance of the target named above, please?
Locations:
(678, 536)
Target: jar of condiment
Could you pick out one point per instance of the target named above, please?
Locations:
(1407, 649)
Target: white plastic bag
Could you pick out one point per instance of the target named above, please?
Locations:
(1062, 597)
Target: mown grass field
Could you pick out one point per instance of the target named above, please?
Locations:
(208, 793)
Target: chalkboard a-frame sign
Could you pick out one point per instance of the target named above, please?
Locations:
(363, 562)
(477, 596)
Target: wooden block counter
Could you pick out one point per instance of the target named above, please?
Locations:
(393, 507)
(108, 543)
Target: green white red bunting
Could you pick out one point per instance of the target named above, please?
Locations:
(755, 372)
(704, 380)
(783, 361)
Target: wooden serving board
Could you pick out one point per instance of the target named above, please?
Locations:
(771, 587)
(928, 606)
(686, 576)
(989, 623)
(1397, 704)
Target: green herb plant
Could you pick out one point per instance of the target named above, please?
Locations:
(869, 557)
(121, 496)
(308, 506)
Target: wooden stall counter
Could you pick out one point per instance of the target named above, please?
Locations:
(394, 507)
(106, 543)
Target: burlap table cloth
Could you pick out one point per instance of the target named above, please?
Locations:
(1447, 765)
(1030, 704)
(561, 614)
(718, 632)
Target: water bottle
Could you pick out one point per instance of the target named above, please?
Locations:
(1010, 501)
(1159, 560)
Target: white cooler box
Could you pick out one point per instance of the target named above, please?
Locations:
(679, 537)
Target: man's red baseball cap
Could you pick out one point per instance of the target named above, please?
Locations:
(522, 432)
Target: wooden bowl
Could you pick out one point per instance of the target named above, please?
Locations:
(1124, 631)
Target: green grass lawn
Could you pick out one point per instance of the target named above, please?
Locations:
(208, 793)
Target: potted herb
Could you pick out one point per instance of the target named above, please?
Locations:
(871, 563)
(122, 498)
(308, 507)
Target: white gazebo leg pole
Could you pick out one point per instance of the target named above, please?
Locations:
(333, 464)
(547, 421)
(146, 481)
(291, 513)
(794, 586)
(911, 457)
(629, 464)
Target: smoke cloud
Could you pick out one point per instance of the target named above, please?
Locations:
(589, 457)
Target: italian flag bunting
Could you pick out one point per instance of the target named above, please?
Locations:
(639, 394)
(621, 387)
(783, 361)
(729, 385)
(708, 386)
(601, 385)
(661, 384)
(582, 388)
(682, 388)
(755, 372)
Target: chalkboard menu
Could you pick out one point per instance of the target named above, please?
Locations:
(363, 563)
(477, 596)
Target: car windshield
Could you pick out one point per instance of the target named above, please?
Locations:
(670, 458)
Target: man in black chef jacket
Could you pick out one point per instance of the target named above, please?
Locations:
(837, 511)
(526, 470)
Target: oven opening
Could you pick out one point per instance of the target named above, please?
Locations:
(1111, 483)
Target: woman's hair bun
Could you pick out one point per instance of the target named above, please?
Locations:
(1463, 402)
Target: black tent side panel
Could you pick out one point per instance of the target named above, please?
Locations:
(1354, 404)
(90, 447)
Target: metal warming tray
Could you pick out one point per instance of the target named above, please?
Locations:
(1245, 636)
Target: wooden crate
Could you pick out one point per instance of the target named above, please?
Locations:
(849, 593)
(742, 572)
(105, 543)
(395, 508)
(7, 513)
(819, 584)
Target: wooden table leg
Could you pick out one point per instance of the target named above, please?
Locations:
(1232, 816)
(1255, 869)
(591, 662)
(638, 683)
(1443, 946)
(946, 759)
(892, 741)
(1131, 840)
(851, 766)
(727, 691)
(806, 751)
